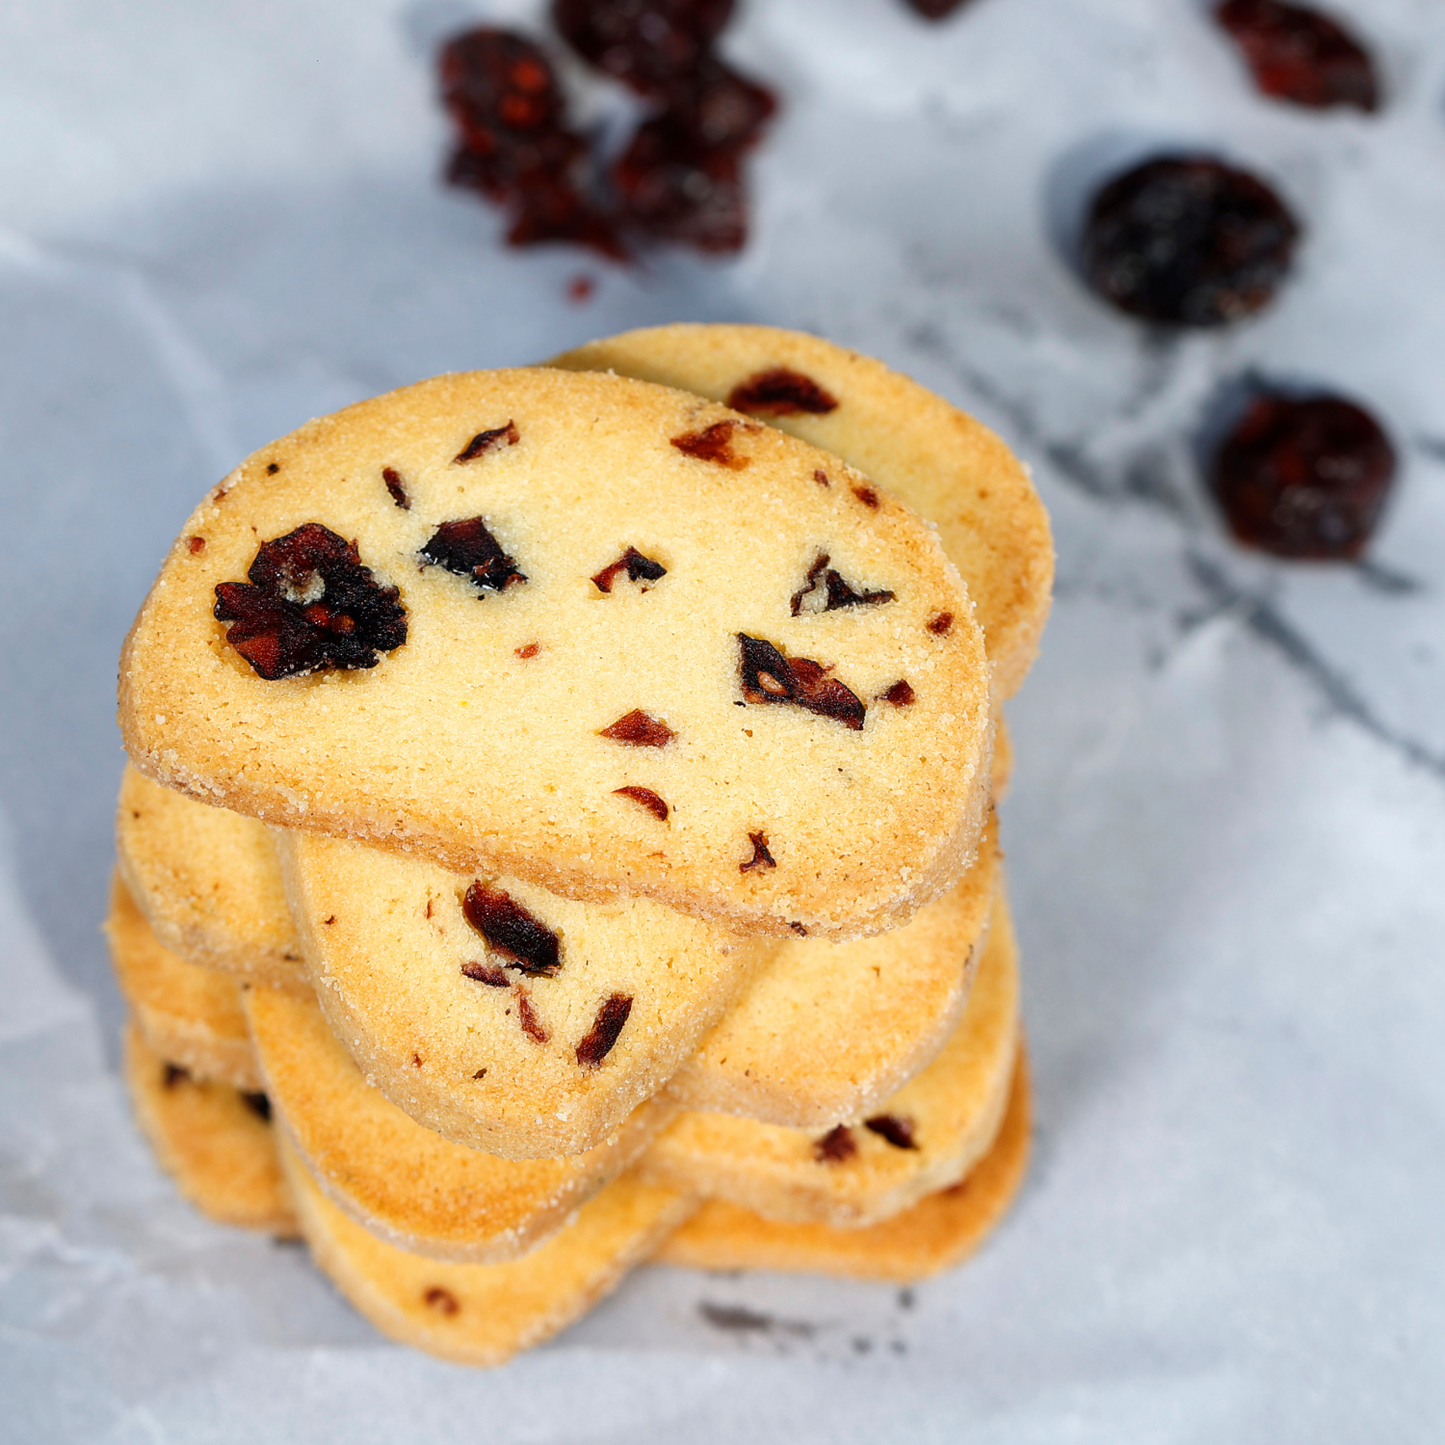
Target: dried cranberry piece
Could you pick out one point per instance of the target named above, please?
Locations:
(780, 391)
(484, 441)
(712, 444)
(1188, 241)
(720, 109)
(653, 802)
(941, 624)
(672, 186)
(897, 1131)
(488, 973)
(638, 730)
(1297, 54)
(441, 1300)
(836, 1146)
(761, 857)
(259, 1105)
(174, 1074)
(605, 1029)
(935, 9)
(512, 931)
(396, 487)
(836, 591)
(469, 549)
(646, 44)
(768, 676)
(310, 605)
(637, 567)
(527, 1017)
(1304, 478)
(515, 147)
(900, 694)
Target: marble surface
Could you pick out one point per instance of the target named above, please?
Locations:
(1227, 832)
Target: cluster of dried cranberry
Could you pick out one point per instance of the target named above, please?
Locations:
(680, 178)
(1191, 241)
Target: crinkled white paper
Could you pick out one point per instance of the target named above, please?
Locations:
(1227, 834)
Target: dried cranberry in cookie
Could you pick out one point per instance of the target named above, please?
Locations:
(481, 740)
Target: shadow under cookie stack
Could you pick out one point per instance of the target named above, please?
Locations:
(559, 832)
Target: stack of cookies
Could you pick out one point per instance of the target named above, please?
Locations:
(559, 832)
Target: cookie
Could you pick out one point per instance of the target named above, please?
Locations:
(207, 881)
(216, 1142)
(910, 441)
(599, 635)
(189, 1015)
(828, 1030)
(926, 1136)
(932, 1236)
(406, 1184)
(483, 1314)
(502, 1016)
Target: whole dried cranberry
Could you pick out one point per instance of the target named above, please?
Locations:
(1189, 241)
(643, 43)
(310, 605)
(673, 187)
(514, 144)
(1304, 478)
(718, 107)
(935, 9)
(1297, 54)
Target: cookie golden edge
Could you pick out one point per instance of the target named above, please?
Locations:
(215, 1147)
(935, 1235)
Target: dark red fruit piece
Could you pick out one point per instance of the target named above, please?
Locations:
(174, 1074)
(515, 147)
(637, 567)
(935, 9)
(653, 802)
(488, 973)
(836, 591)
(469, 549)
(310, 605)
(512, 931)
(1188, 241)
(867, 496)
(442, 1300)
(527, 1017)
(259, 1105)
(605, 1029)
(712, 444)
(720, 109)
(941, 625)
(1304, 478)
(897, 1131)
(780, 391)
(761, 857)
(768, 676)
(672, 187)
(484, 441)
(638, 730)
(900, 694)
(646, 44)
(396, 487)
(836, 1146)
(1297, 54)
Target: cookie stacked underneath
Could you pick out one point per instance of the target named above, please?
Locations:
(560, 832)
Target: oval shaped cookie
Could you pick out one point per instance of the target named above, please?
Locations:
(597, 634)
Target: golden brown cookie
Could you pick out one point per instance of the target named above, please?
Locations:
(503, 1016)
(216, 1142)
(406, 1184)
(189, 1015)
(934, 1235)
(601, 635)
(924, 1137)
(483, 1314)
(828, 1030)
(208, 882)
(910, 441)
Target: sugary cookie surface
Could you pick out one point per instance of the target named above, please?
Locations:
(424, 622)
